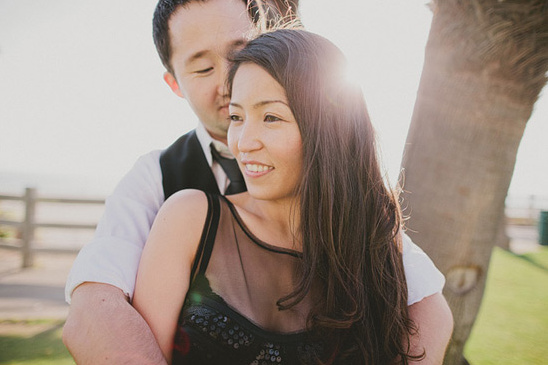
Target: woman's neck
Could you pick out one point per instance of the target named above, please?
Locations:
(275, 222)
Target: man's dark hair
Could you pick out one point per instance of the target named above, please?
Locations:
(271, 10)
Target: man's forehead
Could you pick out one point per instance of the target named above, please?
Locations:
(199, 29)
(223, 15)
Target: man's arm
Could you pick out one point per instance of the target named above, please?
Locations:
(427, 307)
(103, 328)
(435, 326)
(113, 255)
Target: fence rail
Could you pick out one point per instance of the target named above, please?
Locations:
(27, 227)
(525, 209)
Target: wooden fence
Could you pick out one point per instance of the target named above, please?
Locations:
(28, 225)
(519, 211)
(525, 210)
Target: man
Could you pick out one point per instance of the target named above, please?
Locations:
(194, 39)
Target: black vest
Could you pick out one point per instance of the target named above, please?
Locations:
(184, 166)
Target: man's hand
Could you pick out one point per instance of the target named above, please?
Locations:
(103, 328)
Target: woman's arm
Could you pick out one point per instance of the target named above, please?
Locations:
(435, 326)
(164, 270)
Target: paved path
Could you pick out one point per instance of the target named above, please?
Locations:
(37, 292)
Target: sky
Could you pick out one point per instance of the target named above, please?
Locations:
(82, 94)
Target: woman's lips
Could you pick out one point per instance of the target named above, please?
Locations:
(256, 169)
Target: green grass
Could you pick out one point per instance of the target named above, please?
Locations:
(511, 328)
(42, 348)
(512, 325)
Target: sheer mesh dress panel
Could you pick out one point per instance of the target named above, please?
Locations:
(230, 315)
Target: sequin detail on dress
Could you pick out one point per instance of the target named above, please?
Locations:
(219, 327)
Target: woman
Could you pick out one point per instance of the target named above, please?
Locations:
(305, 267)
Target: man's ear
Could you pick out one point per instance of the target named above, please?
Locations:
(172, 83)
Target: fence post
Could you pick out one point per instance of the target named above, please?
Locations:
(531, 207)
(28, 227)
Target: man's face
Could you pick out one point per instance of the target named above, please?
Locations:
(203, 35)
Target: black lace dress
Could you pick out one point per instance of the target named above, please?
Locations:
(230, 315)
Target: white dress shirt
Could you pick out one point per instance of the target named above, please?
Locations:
(113, 255)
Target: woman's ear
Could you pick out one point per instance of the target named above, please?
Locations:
(173, 84)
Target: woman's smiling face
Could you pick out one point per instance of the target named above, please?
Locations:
(264, 135)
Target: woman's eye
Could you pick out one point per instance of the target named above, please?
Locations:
(204, 71)
(271, 118)
(234, 118)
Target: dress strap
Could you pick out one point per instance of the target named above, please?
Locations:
(208, 236)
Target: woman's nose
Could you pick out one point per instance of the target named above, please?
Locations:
(249, 138)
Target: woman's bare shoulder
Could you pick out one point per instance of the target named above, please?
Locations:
(182, 216)
(186, 201)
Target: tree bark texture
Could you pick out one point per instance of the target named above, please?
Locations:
(485, 65)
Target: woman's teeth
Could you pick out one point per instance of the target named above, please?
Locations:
(257, 168)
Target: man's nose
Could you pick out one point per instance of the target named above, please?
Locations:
(222, 88)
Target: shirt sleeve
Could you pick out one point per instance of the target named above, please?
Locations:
(423, 277)
(113, 255)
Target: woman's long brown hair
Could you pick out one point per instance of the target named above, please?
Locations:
(350, 222)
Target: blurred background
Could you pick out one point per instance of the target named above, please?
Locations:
(82, 97)
(82, 94)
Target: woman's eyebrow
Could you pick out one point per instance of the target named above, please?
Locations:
(260, 103)
(266, 102)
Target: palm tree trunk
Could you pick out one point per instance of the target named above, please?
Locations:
(485, 66)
